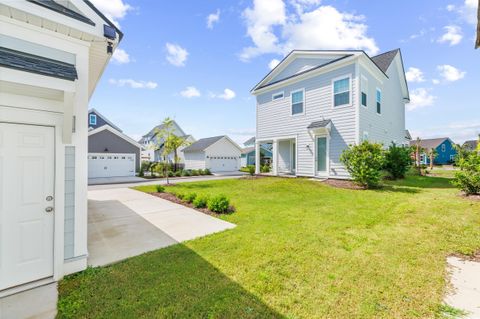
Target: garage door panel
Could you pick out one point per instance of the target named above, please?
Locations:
(110, 165)
(224, 163)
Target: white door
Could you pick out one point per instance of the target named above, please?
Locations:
(322, 156)
(224, 163)
(110, 165)
(26, 193)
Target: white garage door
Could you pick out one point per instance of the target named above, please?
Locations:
(223, 163)
(110, 165)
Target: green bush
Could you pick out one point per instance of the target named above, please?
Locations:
(186, 173)
(179, 195)
(218, 204)
(190, 197)
(178, 173)
(171, 174)
(201, 172)
(195, 172)
(200, 202)
(207, 171)
(364, 162)
(468, 178)
(398, 160)
(251, 169)
(265, 168)
(159, 188)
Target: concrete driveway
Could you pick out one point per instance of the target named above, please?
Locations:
(124, 223)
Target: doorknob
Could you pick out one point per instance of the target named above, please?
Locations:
(49, 198)
(49, 209)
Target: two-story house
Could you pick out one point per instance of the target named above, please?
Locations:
(315, 104)
(152, 143)
(444, 147)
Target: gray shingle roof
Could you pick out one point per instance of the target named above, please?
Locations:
(471, 145)
(202, 144)
(384, 60)
(319, 124)
(429, 143)
(36, 64)
(250, 141)
(247, 150)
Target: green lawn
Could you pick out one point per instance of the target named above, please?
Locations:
(441, 172)
(301, 250)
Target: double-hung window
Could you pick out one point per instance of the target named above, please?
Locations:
(379, 101)
(298, 102)
(92, 119)
(444, 148)
(364, 91)
(341, 91)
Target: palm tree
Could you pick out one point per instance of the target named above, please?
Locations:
(418, 150)
(432, 153)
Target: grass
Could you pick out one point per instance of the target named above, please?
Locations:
(441, 172)
(301, 249)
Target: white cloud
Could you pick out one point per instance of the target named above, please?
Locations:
(450, 7)
(274, 29)
(436, 81)
(468, 11)
(420, 98)
(120, 56)
(133, 83)
(190, 91)
(176, 55)
(273, 63)
(453, 35)
(227, 94)
(414, 75)
(450, 73)
(213, 18)
(114, 10)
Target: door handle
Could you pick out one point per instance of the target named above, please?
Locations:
(49, 209)
(49, 198)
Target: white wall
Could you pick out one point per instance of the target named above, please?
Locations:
(194, 160)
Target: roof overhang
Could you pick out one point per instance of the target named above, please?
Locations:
(323, 127)
(228, 139)
(107, 127)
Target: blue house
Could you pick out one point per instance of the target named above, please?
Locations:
(444, 146)
(248, 153)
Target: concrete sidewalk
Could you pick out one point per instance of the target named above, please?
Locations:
(123, 223)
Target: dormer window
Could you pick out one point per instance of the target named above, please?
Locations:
(92, 119)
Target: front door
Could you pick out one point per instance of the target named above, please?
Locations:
(322, 159)
(26, 203)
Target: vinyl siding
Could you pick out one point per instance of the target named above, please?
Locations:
(300, 65)
(274, 119)
(194, 160)
(221, 148)
(69, 244)
(390, 124)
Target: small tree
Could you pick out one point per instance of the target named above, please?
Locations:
(468, 178)
(398, 160)
(432, 154)
(364, 162)
(418, 150)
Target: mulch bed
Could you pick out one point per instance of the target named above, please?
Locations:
(176, 200)
(340, 183)
(470, 197)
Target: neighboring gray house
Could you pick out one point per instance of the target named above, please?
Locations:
(218, 154)
(153, 144)
(471, 145)
(111, 153)
(316, 103)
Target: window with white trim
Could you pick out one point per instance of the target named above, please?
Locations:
(277, 96)
(341, 91)
(444, 147)
(298, 102)
(379, 101)
(92, 119)
(364, 95)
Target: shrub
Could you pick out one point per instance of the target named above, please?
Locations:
(159, 188)
(178, 173)
(265, 168)
(201, 172)
(171, 174)
(187, 173)
(251, 169)
(190, 197)
(468, 178)
(179, 195)
(218, 204)
(364, 162)
(398, 161)
(200, 202)
(207, 171)
(195, 172)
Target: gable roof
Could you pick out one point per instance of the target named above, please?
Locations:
(23, 61)
(384, 60)
(92, 110)
(430, 143)
(471, 145)
(203, 143)
(114, 131)
(250, 141)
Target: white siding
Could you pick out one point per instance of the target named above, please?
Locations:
(390, 124)
(223, 148)
(274, 119)
(300, 65)
(194, 160)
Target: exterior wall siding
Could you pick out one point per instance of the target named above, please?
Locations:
(100, 121)
(444, 157)
(105, 140)
(389, 126)
(194, 160)
(300, 65)
(69, 229)
(274, 119)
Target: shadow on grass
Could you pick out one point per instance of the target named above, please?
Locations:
(398, 189)
(174, 282)
(424, 182)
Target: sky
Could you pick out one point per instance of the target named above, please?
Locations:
(196, 61)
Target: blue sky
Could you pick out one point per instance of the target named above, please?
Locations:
(196, 61)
